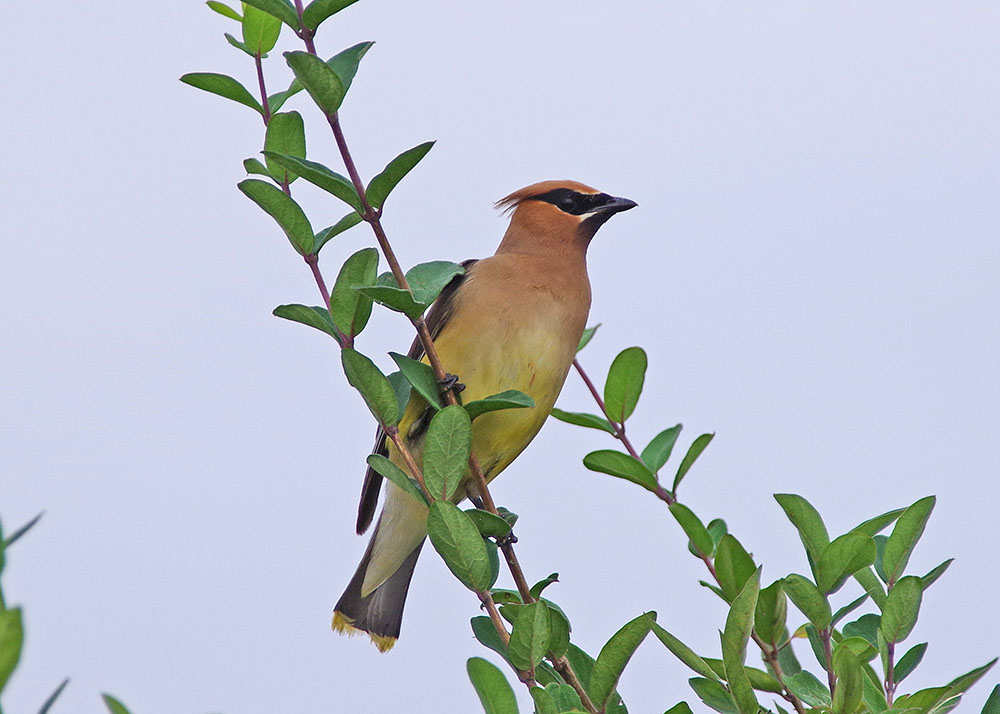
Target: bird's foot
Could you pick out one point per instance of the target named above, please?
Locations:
(509, 539)
(451, 383)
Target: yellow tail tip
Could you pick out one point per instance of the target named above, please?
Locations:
(345, 626)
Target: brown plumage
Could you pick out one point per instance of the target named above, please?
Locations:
(512, 321)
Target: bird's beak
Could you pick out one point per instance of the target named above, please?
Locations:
(616, 205)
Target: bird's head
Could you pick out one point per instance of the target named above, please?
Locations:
(561, 212)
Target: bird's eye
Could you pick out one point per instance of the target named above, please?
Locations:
(567, 204)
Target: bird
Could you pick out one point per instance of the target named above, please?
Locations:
(511, 321)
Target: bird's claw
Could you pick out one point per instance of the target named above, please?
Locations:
(451, 383)
(509, 539)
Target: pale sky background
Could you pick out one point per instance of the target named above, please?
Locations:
(813, 271)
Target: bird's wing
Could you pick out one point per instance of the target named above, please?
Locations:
(436, 319)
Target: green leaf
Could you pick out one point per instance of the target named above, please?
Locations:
(284, 210)
(319, 79)
(658, 450)
(319, 10)
(537, 588)
(421, 376)
(690, 457)
(11, 641)
(858, 645)
(679, 708)
(489, 525)
(486, 634)
(717, 528)
(280, 9)
(319, 175)
(53, 697)
(446, 451)
(113, 705)
(237, 44)
(349, 221)
(786, 658)
(807, 598)
(312, 316)
(621, 465)
(992, 705)
(908, 662)
(224, 10)
(684, 653)
(865, 627)
(714, 695)
(395, 299)
(285, 135)
(807, 521)
(935, 573)
(615, 655)
(810, 690)
(588, 334)
(16, 535)
(694, 529)
(759, 679)
(875, 525)
(962, 683)
(850, 682)
(254, 166)
(427, 280)
(905, 535)
(624, 384)
(920, 702)
(841, 558)
(867, 579)
(901, 609)
(260, 30)
(848, 609)
(350, 309)
(494, 691)
(529, 640)
(544, 704)
(771, 612)
(733, 566)
(735, 637)
(564, 697)
(396, 475)
(456, 538)
(511, 399)
(378, 394)
(224, 86)
(345, 63)
(402, 389)
(591, 421)
(381, 186)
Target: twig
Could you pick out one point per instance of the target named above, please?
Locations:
(770, 653)
(372, 216)
(263, 92)
(393, 433)
(619, 429)
(831, 678)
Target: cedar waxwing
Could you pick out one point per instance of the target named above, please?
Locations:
(512, 321)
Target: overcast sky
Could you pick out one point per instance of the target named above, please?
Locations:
(813, 270)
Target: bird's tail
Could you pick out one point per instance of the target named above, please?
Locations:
(379, 613)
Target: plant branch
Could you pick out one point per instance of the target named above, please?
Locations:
(263, 92)
(393, 433)
(890, 677)
(373, 216)
(619, 430)
(771, 657)
(491, 608)
(831, 678)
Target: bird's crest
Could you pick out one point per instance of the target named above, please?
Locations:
(509, 203)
